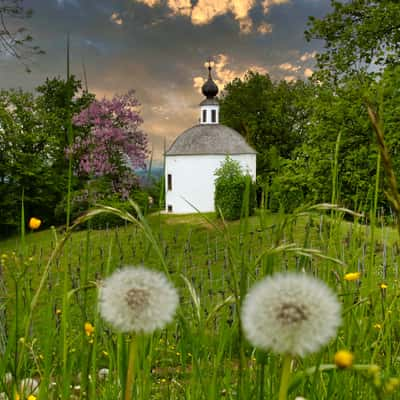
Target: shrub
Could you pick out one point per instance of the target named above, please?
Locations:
(231, 186)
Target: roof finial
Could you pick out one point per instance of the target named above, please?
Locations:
(209, 67)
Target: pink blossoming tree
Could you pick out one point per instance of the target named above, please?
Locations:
(111, 143)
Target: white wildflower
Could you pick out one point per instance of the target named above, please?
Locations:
(290, 313)
(29, 386)
(103, 373)
(8, 378)
(135, 299)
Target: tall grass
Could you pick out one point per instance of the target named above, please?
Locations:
(49, 292)
(203, 354)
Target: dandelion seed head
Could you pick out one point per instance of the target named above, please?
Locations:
(135, 299)
(290, 313)
(29, 386)
(103, 373)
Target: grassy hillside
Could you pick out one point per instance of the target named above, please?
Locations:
(202, 354)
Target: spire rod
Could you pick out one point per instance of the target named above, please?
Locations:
(209, 67)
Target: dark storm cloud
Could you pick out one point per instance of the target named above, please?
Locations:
(125, 44)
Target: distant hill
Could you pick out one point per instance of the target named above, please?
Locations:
(155, 173)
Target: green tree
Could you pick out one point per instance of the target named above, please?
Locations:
(359, 36)
(27, 153)
(15, 40)
(231, 187)
(362, 43)
(32, 148)
(58, 101)
(271, 116)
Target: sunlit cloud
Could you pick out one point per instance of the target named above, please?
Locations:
(308, 72)
(245, 25)
(290, 78)
(267, 4)
(180, 7)
(116, 18)
(204, 11)
(289, 67)
(150, 3)
(308, 56)
(224, 73)
(264, 28)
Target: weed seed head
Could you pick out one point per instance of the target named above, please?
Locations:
(136, 299)
(290, 314)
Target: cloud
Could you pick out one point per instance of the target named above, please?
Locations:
(116, 18)
(308, 72)
(61, 3)
(308, 56)
(264, 28)
(289, 67)
(180, 7)
(267, 4)
(289, 78)
(204, 11)
(245, 25)
(149, 3)
(223, 73)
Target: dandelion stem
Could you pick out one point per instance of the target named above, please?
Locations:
(130, 373)
(285, 377)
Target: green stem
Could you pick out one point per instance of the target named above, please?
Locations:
(130, 373)
(262, 380)
(285, 377)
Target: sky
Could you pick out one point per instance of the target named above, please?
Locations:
(160, 49)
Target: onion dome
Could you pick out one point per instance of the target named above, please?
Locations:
(209, 89)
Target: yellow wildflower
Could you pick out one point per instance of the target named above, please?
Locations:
(391, 385)
(378, 326)
(352, 276)
(32, 397)
(383, 286)
(89, 329)
(58, 311)
(344, 359)
(34, 223)
(17, 396)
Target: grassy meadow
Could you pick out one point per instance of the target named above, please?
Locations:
(55, 345)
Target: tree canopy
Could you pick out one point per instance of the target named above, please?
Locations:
(358, 35)
(16, 41)
(271, 116)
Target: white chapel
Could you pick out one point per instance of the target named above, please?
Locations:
(193, 158)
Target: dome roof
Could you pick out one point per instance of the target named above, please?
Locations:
(209, 139)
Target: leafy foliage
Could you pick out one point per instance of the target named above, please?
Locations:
(27, 151)
(357, 34)
(111, 142)
(230, 190)
(271, 116)
(33, 139)
(16, 41)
